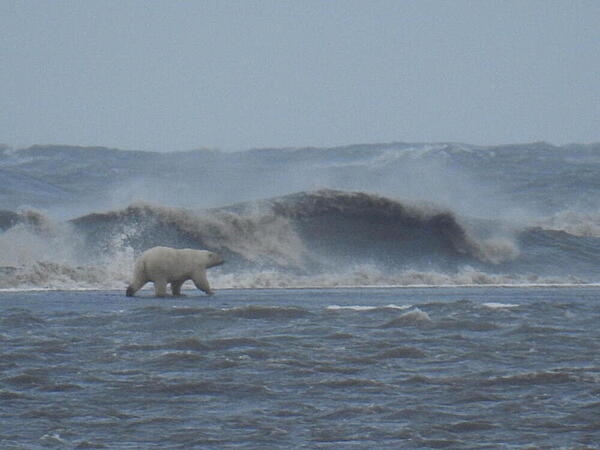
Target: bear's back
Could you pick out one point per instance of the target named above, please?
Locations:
(171, 263)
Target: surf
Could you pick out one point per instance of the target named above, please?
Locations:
(396, 214)
(324, 238)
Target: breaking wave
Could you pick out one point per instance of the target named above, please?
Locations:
(324, 238)
(576, 223)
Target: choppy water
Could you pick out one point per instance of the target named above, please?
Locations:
(347, 368)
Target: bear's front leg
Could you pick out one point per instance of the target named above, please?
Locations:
(201, 282)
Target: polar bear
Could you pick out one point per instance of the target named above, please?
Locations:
(163, 265)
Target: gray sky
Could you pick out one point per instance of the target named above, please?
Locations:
(177, 75)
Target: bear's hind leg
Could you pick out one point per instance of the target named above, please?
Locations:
(176, 288)
(139, 279)
(135, 286)
(160, 288)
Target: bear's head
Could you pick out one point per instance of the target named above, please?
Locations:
(214, 260)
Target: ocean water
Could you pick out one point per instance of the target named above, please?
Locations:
(438, 367)
(373, 296)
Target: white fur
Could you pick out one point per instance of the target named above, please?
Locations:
(164, 265)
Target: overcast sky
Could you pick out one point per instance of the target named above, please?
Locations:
(233, 75)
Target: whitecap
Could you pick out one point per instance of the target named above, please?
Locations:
(365, 307)
(496, 305)
(413, 317)
(416, 315)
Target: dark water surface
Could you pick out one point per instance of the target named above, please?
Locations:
(346, 368)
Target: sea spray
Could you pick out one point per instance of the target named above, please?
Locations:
(370, 276)
(324, 238)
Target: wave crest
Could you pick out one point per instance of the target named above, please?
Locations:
(255, 236)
